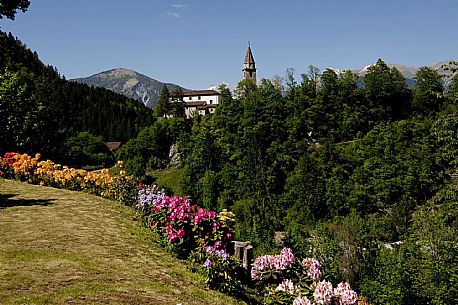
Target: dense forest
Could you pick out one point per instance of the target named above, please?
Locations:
(40, 110)
(358, 176)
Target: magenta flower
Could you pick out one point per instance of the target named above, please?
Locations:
(216, 225)
(173, 238)
(181, 232)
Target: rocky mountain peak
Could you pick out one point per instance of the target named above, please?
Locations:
(129, 83)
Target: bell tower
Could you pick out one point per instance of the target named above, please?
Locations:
(249, 66)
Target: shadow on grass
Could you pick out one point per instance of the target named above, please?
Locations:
(6, 201)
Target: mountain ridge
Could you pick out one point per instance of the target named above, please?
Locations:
(129, 83)
(147, 90)
(446, 69)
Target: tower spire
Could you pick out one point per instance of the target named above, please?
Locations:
(249, 66)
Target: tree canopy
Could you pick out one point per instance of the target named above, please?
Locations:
(9, 8)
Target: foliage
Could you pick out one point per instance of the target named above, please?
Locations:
(389, 284)
(150, 149)
(87, 149)
(39, 110)
(386, 92)
(340, 163)
(452, 92)
(432, 251)
(223, 272)
(170, 178)
(8, 8)
(283, 279)
(428, 97)
(163, 105)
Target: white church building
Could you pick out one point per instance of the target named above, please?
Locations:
(203, 102)
(200, 102)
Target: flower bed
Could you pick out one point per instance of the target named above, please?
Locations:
(47, 173)
(182, 226)
(282, 279)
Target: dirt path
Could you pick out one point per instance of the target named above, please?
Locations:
(62, 247)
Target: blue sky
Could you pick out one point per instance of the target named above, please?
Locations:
(199, 43)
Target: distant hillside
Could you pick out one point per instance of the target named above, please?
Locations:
(129, 83)
(445, 68)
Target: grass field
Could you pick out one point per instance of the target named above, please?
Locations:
(170, 178)
(63, 247)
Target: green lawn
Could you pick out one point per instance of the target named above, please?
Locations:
(170, 178)
(63, 247)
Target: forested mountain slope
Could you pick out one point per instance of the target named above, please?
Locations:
(39, 109)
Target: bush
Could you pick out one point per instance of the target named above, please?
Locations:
(87, 149)
(223, 272)
(282, 279)
(181, 226)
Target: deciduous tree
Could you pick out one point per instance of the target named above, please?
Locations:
(9, 8)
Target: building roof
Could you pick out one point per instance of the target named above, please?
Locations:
(249, 59)
(196, 93)
(113, 145)
(194, 104)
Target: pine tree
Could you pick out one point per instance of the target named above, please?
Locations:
(163, 106)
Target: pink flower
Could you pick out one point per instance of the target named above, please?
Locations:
(287, 286)
(302, 301)
(323, 293)
(345, 295)
(287, 257)
(313, 268)
(272, 262)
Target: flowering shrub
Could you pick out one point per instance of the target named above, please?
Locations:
(47, 173)
(182, 226)
(187, 229)
(223, 272)
(270, 267)
(6, 166)
(284, 280)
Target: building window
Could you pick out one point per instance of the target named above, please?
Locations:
(211, 101)
(198, 97)
(190, 98)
